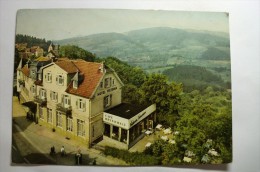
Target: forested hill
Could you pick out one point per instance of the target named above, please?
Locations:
(32, 41)
(194, 77)
(151, 44)
(213, 53)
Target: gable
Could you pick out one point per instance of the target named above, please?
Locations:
(91, 77)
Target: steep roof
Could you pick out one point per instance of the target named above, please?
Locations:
(67, 65)
(92, 76)
(25, 70)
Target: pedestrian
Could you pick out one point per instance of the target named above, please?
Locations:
(78, 158)
(62, 151)
(52, 152)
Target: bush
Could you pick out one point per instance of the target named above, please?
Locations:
(134, 158)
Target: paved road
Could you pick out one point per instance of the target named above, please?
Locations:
(25, 153)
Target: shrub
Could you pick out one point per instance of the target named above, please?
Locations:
(134, 158)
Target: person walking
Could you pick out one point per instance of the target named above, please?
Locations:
(52, 152)
(78, 158)
(62, 151)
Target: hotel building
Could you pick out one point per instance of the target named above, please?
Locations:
(82, 100)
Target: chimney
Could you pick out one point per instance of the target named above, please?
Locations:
(101, 67)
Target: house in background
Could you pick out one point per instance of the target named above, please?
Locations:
(82, 100)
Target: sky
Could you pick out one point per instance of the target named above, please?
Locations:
(57, 24)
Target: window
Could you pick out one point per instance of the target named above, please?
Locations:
(42, 93)
(33, 89)
(75, 84)
(41, 113)
(59, 119)
(113, 82)
(48, 77)
(107, 100)
(107, 82)
(101, 84)
(80, 127)
(69, 124)
(80, 103)
(39, 76)
(66, 101)
(59, 80)
(54, 96)
(49, 115)
(32, 73)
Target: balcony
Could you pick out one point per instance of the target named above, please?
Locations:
(41, 100)
(65, 109)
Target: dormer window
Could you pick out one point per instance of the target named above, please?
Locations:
(32, 73)
(75, 84)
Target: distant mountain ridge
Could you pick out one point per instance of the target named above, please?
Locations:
(157, 44)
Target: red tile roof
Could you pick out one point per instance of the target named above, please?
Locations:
(25, 70)
(92, 76)
(67, 65)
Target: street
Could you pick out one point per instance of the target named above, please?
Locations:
(25, 153)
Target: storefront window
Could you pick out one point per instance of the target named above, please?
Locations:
(123, 135)
(107, 130)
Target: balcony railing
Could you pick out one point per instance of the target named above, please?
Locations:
(41, 100)
(66, 109)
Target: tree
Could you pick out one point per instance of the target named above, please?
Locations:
(128, 74)
(201, 119)
(131, 93)
(75, 52)
(156, 89)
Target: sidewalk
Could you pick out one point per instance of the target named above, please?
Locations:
(43, 139)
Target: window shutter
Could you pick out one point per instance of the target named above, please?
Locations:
(84, 106)
(50, 77)
(62, 99)
(45, 76)
(56, 79)
(56, 96)
(69, 100)
(77, 103)
(51, 93)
